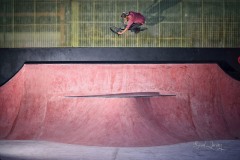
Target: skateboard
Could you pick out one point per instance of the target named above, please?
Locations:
(117, 29)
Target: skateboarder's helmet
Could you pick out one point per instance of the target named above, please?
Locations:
(124, 15)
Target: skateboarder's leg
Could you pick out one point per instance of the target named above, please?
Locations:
(135, 27)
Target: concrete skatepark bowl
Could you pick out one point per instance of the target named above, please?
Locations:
(34, 105)
(70, 89)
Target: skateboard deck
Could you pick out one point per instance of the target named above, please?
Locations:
(117, 29)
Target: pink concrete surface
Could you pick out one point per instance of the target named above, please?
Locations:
(33, 105)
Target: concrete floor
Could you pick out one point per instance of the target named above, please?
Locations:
(43, 150)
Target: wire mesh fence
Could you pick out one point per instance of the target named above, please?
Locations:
(85, 23)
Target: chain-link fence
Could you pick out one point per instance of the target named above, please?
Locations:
(85, 23)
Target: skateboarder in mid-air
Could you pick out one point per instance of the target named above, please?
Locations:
(132, 21)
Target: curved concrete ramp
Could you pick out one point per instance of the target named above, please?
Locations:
(33, 105)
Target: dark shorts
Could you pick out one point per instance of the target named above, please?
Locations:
(135, 27)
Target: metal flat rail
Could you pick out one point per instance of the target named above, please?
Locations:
(124, 95)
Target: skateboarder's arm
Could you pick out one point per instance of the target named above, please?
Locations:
(121, 32)
(127, 27)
